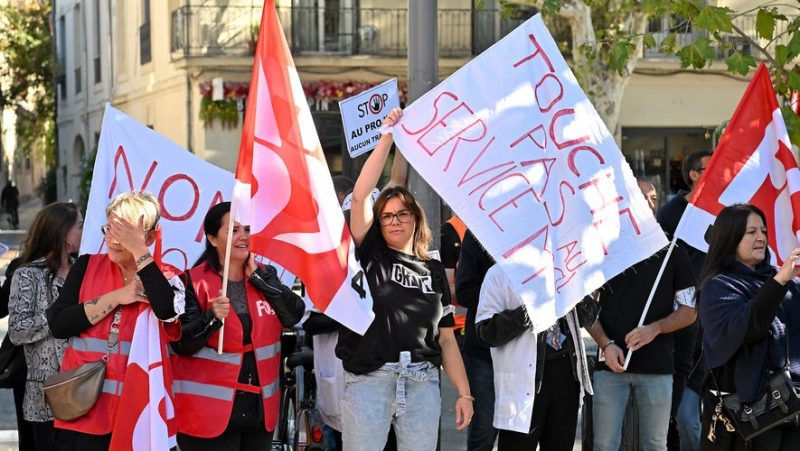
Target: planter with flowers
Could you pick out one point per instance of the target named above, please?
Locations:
(320, 95)
(226, 110)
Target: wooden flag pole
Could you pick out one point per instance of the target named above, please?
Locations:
(225, 271)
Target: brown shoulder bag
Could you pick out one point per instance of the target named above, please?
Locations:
(70, 394)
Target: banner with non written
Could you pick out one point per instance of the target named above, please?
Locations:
(131, 156)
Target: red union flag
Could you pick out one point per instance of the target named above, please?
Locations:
(283, 188)
(753, 163)
(147, 420)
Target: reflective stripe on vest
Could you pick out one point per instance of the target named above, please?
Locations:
(226, 357)
(271, 389)
(97, 345)
(268, 352)
(199, 389)
(110, 387)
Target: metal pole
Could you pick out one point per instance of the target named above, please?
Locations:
(423, 75)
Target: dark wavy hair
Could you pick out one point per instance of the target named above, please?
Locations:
(727, 233)
(47, 236)
(211, 225)
(422, 234)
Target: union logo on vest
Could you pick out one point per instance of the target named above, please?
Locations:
(262, 305)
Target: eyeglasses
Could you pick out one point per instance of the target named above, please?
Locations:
(700, 171)
(402, 216)
(105, 229)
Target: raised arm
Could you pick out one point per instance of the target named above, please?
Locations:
(399, 174)
(360, 209)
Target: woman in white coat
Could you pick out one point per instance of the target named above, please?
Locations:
(548, 368)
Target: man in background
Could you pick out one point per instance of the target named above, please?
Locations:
(689, 362)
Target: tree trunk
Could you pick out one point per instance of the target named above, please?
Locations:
(603, 85)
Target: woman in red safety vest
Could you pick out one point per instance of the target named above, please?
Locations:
(230, 401)
(105, 291)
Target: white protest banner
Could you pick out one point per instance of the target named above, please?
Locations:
(131, 156)
(526, 162)
(363, 116)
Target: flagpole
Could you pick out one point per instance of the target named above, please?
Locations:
(653, 291)
(225, 271)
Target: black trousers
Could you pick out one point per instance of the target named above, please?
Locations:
(785, 438)
(555, 413)
(44, 435)
(24, 428)
(67, 440)
(244, 440)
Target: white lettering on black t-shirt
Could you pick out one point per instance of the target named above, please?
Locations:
(409, 279)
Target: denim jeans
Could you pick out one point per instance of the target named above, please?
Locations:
(653, 401)
(689, 420)
(481, 434)
(402, 394)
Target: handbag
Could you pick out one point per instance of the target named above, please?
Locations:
(13, 369)
(70, 394)
(779, 405)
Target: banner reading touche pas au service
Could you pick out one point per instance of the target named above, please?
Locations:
(514, 146)
(363, 115)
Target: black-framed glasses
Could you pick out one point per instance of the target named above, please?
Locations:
(403, 216)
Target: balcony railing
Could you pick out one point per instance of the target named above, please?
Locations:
(229, 31)
(686, 36)
(219, 31)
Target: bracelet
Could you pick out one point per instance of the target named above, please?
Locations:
(470, 397)
(141, 259)
(608, 343)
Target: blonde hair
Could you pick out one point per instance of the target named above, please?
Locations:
(134, 204)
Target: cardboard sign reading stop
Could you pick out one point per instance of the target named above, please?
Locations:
(363, 115)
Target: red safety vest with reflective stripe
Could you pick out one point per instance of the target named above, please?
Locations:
(102, 277)
(204, 384)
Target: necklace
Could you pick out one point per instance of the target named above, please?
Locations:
(128, 279)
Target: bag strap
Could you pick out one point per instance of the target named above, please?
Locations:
(786, 333)
(113, 335)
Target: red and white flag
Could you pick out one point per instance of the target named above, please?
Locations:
(146, 416)
(284, 191)
(752, 163)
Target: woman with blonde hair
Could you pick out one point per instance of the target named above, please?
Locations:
(392, 372)
(101, 295)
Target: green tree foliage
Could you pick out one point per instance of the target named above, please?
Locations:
(26, 45)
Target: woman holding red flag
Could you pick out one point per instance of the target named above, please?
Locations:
(230, 401)
(101, 294)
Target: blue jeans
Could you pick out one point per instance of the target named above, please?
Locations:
(481, 434)
(402, 394)
(689, 420)
(653, 401)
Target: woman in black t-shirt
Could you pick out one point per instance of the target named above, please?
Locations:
(392, 372)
